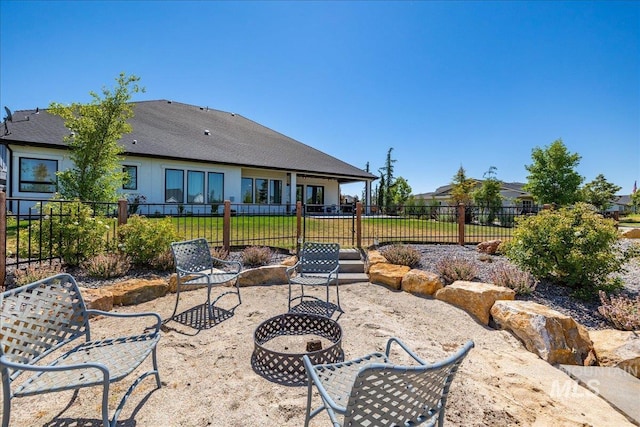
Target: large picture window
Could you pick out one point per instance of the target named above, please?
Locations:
(38, 175)
(315, 195)
(216, 187)
(173, 186)
(247, 190)
(275, 191)
(131, 177)
(262, 191)
(195, 187)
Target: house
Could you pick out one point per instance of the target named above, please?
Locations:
(512, 194)
(183, 154)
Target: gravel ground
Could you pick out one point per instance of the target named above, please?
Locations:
(556, 297)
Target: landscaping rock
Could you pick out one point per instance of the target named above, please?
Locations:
(553, 336)
(97, 299)
(421, 282)
(266, 275)
(373, 257)
(490, 247)
(475, 298)
(634, 233)
(135, 291)
(383, 273)
(616, 348)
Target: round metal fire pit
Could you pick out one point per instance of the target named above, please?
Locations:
(288, 368)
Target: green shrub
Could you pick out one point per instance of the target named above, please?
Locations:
(573, 247)
(402, 255)
(255, 256)
(108, 265)
(514, 278)
(622, 312)
(144, 239)
(163, 261)
(68, 230)
(34, 273)
(451, 268)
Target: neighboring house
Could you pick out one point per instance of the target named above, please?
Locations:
(621, 204)
(184, 154)
(512, 195)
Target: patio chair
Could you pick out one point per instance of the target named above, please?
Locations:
(318, 265)
(371, 391)
(195, 266)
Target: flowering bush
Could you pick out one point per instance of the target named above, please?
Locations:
(255, 256)
(514, 278)
(33, 273)
(108, 265)
(622, 312)
(69, 230)
(452, 268)
(402, 255)
(145, 240)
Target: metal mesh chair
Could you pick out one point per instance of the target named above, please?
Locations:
(318, 265)
(40, 319)
(371, 391)
(195, 266)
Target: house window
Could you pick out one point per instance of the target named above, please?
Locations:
(173, 186)
(216, 187)
(247, 190)
(195, 187)
(262, 191)
(315, 195)
(275, 191)
(37, 175)
(131, 177)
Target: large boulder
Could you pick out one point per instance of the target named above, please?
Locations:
(555, 337)
(490, 247)
(97, 299)
(266, 275)
(391, 275)
(136, 291)
(633, 233)
(421, 282)
(475, 298)
(616, 348)
(373, 257)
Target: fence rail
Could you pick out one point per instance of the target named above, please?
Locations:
(30, 235)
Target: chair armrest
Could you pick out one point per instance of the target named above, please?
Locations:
(292, 269)
(130, 315)
(312, 376)
(405, 348)
(51, 368)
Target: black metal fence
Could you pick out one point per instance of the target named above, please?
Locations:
(32, 234)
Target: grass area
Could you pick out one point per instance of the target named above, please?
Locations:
(630, 221)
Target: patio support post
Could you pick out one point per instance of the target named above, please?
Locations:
(122, 211)
(226, 226)
(461, 224)
(299, 236)
(3, 237)
(359, 225)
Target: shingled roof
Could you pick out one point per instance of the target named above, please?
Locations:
(173, 130)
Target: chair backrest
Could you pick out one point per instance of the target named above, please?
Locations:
(38, 318)
(391, 395)
(192, 255)
(319, 257)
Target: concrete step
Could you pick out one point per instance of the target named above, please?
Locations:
(350, 254)
(345, 278)
(351, 266)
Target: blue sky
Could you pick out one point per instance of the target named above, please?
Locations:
(445, 84)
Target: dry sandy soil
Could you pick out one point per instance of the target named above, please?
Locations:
(208, 379)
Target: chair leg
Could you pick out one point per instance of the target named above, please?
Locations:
(209, 307)
(238, 290)
(338, 295)
(175, 307)
(307, 417)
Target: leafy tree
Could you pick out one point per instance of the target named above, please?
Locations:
(552, 176)
(461, 187)
(400, 191)
(600, 192)
(488, 197)
(635, 201)
(95, 130)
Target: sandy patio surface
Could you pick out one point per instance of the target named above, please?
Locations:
(208, 379)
